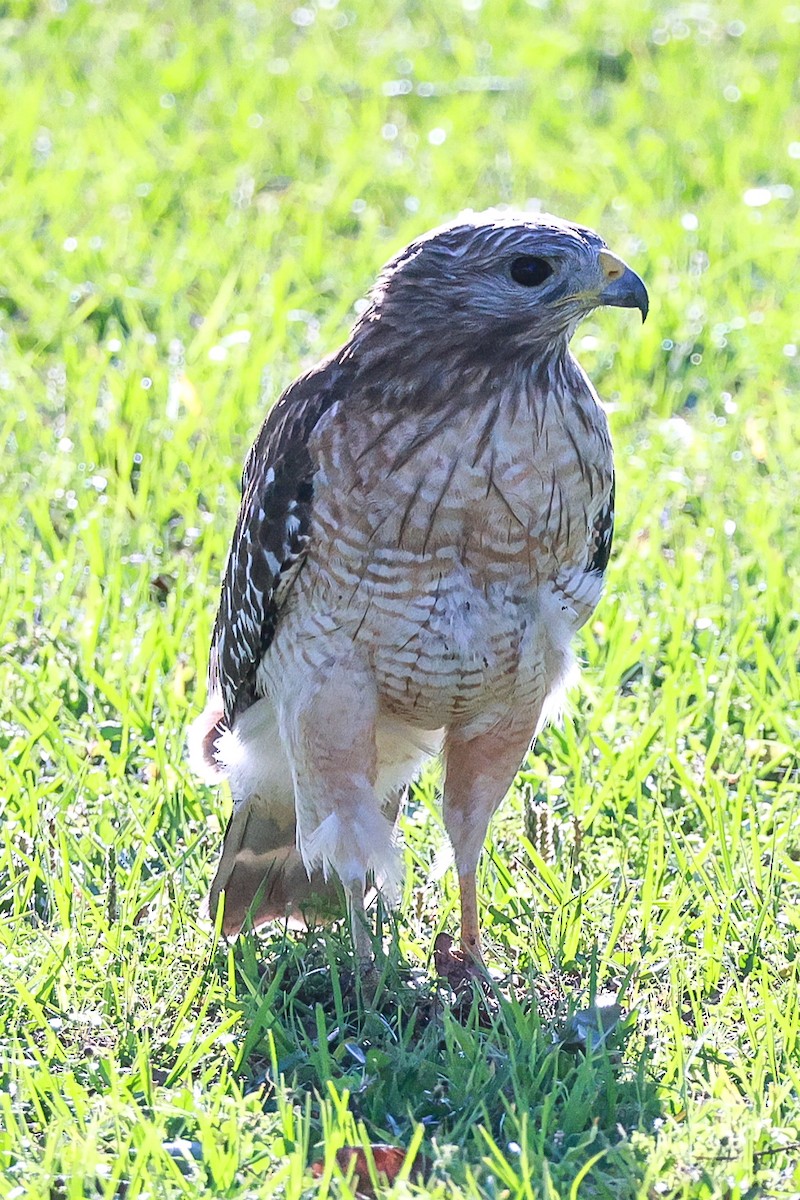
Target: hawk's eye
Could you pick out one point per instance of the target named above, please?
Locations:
(530, 271)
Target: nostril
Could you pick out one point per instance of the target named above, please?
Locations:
(612, 267)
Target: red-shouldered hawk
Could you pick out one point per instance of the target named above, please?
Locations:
(426, 520)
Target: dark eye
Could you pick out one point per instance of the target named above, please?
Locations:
(529, 271)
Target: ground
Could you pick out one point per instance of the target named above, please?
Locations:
(192, 199)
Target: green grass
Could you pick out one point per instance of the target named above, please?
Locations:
(192, 197)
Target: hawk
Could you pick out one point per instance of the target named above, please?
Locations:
(425, 523)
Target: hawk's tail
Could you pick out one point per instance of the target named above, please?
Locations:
(263, 878)
(260, 871)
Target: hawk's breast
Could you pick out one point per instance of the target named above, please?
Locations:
(456, 563)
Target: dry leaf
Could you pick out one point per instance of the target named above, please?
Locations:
(388, 1161)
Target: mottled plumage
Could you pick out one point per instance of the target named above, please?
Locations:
(426, 520)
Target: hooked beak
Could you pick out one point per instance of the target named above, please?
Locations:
(623, 287)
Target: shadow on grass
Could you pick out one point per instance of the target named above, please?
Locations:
(504, 1089)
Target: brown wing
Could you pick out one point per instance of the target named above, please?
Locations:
(602, 535)
(271, 535)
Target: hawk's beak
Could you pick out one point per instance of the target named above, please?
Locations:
(623, 287)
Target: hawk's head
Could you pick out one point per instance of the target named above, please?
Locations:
(493, 282)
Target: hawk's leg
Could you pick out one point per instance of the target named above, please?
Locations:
(330, 732)
(479, 769)
(470, 922)
(360, 930)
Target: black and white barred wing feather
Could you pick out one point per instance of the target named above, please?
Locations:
(267, 550)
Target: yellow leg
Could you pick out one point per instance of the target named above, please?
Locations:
(470, 925)
(479, 770)
(360, 930)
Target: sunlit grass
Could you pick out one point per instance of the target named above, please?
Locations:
(193, 197)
